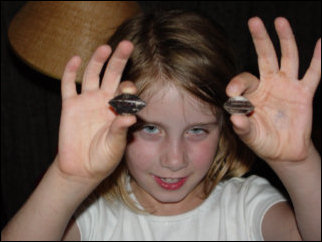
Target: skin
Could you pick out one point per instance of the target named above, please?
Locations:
(183, 146)
(279, 131)
(92, 140)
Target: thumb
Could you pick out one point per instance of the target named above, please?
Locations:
(242, 127)
(119, 128)
(117, 135)
(113, 140)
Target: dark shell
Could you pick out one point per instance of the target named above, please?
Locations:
(238, 104)
(127, 104)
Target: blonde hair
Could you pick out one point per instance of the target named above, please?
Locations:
(192, 52)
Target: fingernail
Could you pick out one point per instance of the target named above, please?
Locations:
(128, 90)
(232, 91)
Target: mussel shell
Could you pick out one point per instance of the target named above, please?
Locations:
(127, 104)
(238, 105)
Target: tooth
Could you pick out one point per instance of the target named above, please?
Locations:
(170, 180)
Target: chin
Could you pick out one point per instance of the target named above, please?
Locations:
(170, 196)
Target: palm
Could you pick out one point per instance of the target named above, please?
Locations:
(280, 127)
(84, 120)
(90, 141)
(282, 119)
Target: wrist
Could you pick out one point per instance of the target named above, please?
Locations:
(300, 175)
(74, 183)
(310, 155)
(62, 193)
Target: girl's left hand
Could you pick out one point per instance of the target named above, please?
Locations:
(280, 127)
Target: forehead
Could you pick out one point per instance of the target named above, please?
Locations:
(169, 101)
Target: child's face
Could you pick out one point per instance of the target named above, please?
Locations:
(171, 153)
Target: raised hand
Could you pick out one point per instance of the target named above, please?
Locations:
(92, 138)
(280, 127)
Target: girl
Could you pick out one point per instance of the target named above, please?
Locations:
(172, 172)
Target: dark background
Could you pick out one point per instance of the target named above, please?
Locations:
(31, 102)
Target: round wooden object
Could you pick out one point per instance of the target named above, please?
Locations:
(46, 34)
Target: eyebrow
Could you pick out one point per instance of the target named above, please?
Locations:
(204, 124)
(141, 121)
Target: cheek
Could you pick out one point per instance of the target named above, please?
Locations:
(203, 153)
(138, 157)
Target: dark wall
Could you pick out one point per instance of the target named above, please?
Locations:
(30, 102)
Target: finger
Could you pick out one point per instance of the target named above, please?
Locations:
(243, 83)
(312, 76)
(242, 127)
(267, 60)
(94, 68)
(289, 57)
(68, 85)
(120, 125)
(126, 87)
(115, 67)
(117, 135)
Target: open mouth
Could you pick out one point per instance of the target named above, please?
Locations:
(170, 183)
(170, 180)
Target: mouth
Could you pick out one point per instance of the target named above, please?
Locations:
(170, 183)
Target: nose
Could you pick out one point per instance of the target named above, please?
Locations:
(174, 156)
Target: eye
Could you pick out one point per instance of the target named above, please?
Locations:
(197, 131)
(150, 129)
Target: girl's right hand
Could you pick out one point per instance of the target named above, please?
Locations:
(92, 138)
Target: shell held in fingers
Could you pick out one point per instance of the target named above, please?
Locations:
(127, 104)
(238, 105)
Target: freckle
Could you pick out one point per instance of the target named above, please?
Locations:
(280, 114)
(279, 119)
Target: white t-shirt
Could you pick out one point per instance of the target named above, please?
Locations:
(233, 211)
